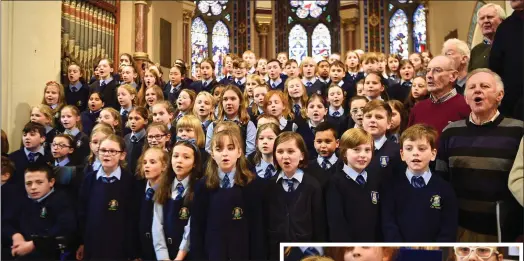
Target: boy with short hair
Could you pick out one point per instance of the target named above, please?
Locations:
(249, 57)
(386, 157)
(239, 73)
(337, 72)
(326, 143)
(32, 152)
(323, 72)
(40, 217)
(275, 81)
(266, 118)
(352, 197)
(418, 206)
(291, 68)
(369, 63)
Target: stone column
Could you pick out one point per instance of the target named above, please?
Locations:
(186, 34)
(350, 26)
(140, 55)
(263, 30)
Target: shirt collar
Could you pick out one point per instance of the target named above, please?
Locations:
(234, 119)
(53, 106)
(117, 173)
(185, 184)
(333, 110)
(277, 82)
(126, 109)
(148, 185)
(353, 174)
(323, 80)
(486, 41)
(48, 129)
(252, 70)
(486, 122)
(332, 160)
(283, 122)
(62, 163)
(312, 80)
(462, 81)
(311, 124)
(261, 168)
(260, 111)
(380, 142)
(242, 81)
(97, 164)
(319, 249)
(40, 150)
(74, 131)
(107, 81)
(231, 176)
(78, 85)
(426, 175)
(341, 83)
(402, 81)
(445, 97)
(206, 83)
(45, 196)
(139, 135)
(299, 175)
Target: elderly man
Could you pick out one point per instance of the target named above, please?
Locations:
(488, 19)
(458, 51)
(505, 59)
(476, 155)
(444, 105)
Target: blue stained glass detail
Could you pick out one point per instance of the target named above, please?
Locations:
(298, 48)
(198, 43)
(390, 7)
(321, 41)
(220, 45)
(419, 29)
(398, 34)
(228, 17)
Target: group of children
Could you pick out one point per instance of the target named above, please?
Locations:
(225, 169)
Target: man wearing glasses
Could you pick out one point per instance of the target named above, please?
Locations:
(445, 105)
(477, 254)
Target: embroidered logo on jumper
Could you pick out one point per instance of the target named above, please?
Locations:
(79, 103)
(43, 213)
(183, 214)
(113, 205)
(78, 144)
(384, 160)
(374, 197)
(435, 202)
(237, 213)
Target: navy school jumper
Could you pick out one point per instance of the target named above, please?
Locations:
(353, 212)
(308, 135)
(42, 222)
(133, 152)
(109, 232)
(21, 162)
(228, 224)
(147, 252)
(88, 119)
(386, 161)
(176, 216)
(297, 216)
(428, 214)
(197, 86)
(79, 98)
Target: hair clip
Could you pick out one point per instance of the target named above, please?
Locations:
(192, 141)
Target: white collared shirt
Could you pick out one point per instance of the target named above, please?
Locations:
(312, 81)
(341, 83)
(350, 172)
(117, 173)
(332, 160)
(174, 191)
(242, 81)
(231, 176)
(333, 110)
(380, 142)
(62, 163)
(261, 167)
(297, 179)
(276, 83)
(426, 175)
(486, 122)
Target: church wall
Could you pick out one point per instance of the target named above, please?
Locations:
(30, 58)
(127, 27)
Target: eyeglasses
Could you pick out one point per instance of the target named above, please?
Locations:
(61, 146)
(156, 137)
(109, 152)
(482, 252)
(356, 110)
(437, 70)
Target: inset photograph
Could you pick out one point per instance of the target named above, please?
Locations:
(460, 252)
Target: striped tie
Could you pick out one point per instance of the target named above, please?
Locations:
(418, 182)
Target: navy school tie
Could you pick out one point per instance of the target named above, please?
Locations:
(134, 139)
(360, 180)
(109, 180)
(180, 190)
(149, 194)
(418, 182)
(325, 163)
(336, 114)
(124, 113)
(32, 156)
(311, 251)
(269, 171)
(290, 183)
(73, 89)
(225, 182)
(309, 84)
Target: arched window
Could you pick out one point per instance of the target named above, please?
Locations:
(210, 33)
(407, 27)
(310, 26)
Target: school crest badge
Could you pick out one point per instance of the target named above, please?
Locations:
(435, 202)
(57, 115)
(374, 197)
(319, 92)
(237, 213)
(78, 144)
(43, 213)
(384, 160)
(183, 214)
(113, 205)
(79, 103)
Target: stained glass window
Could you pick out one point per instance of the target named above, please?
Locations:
(220, 43)
(398, 34)
(298, 48)
(419, 29)
(198, 42)
(211, 7)
(304, 9)
(321, 39)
